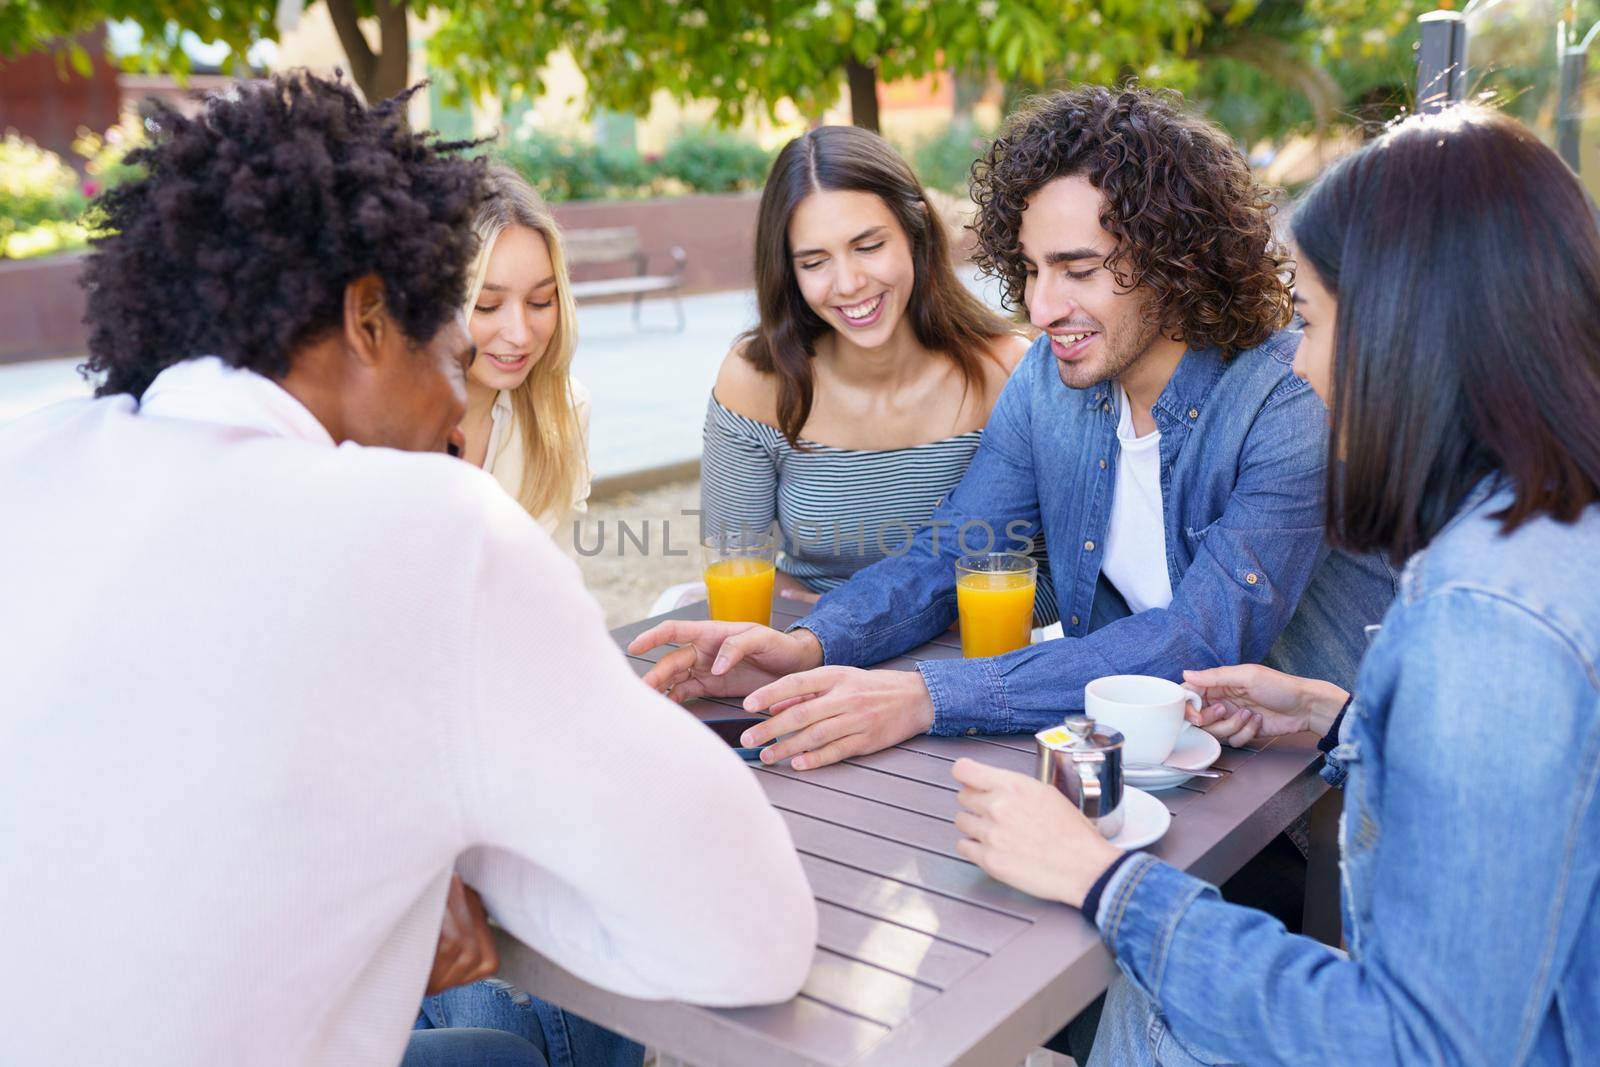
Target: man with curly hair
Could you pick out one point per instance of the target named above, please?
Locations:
(275, 665)
(1154, 433)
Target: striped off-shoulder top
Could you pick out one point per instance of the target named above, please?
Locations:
(837, 510)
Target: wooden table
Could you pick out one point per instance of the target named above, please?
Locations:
(923, 960)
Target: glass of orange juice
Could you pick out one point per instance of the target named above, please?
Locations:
(994, 598)
(739, 575)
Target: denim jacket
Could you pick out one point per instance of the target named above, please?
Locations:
(1470, 838)
(1243, 454)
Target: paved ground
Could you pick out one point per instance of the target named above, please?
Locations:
(649, 388)
(624, 577)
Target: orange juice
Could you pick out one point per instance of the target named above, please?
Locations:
(996, 610)
(741, 590)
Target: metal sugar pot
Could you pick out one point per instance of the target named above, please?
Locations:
(1084, 761)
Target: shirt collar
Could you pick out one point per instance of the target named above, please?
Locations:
(502, 406)
(1190, 385)
(208, 390)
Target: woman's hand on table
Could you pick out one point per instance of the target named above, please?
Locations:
(1248, 701)
(723, 659)
(833, 713)
(1026, 834)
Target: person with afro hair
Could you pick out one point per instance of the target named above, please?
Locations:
(281, 675)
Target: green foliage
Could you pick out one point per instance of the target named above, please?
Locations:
(32, 25)
(697, 161)
(104, 154)
(714, 161)
(944, 160)
(1285, 65)
(1264, 66)
(44, 206)
(39, 199)
(749, 57)
(35, 185)
(562, 168)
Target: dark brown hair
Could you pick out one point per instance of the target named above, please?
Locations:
(1190, 221)
(945, 317)
(1466, 262)
(254, 215)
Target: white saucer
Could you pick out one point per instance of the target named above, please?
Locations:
(1196, 750)
(1144, 819)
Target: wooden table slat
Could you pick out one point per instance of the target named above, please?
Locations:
(894, 948)
(932, 651)
(904, 863)
(908, 763)
(793, 793)
(875, 785)
(865, 990)
(953, 748)
(1017, 742)
(969, 925)
(802, 1032)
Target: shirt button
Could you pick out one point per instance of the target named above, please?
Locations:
(1194, 413)
(1102, 464)
(1088, 546)
(1251, 578)
(1074, 620)
(972, 731)
(1106, 408)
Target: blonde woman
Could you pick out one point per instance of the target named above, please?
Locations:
(527, 423)
(527, 420)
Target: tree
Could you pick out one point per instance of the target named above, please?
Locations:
(32, 25)
(1293, 64)
(748, 56)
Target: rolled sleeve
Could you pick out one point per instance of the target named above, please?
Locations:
(1139, 912)
(968, 697)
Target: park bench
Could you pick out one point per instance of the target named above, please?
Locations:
(620, 244)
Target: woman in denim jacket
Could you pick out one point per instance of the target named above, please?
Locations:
(1449, 278)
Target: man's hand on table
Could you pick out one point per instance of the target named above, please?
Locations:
(1024, 833)
(833, 713)
(723, 659)
(466, 950)
(1249, 701)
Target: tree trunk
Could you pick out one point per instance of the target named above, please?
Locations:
(382, 73)
(863, 94)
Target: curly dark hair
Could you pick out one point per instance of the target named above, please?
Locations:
(254, 215)
(1189, 219)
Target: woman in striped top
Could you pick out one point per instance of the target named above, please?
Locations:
(858, 400)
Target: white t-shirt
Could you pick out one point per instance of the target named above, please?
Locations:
(1136, 541)
(262, 693)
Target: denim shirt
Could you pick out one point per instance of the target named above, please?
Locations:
(1470, 838)
(1243, 454)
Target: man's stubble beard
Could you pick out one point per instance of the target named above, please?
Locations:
(1119, 359)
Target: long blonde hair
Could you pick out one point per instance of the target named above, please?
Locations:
(554, 462)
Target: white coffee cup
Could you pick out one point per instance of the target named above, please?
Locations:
(1147, 711)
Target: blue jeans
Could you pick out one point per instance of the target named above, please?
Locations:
(494, 1024)
(1133, 1034)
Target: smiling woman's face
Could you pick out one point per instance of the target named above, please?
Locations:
(852, 261)
(1319, 310)
(515, 313)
